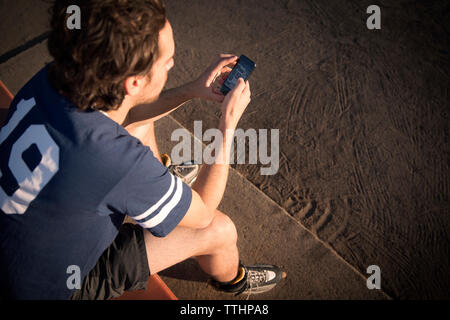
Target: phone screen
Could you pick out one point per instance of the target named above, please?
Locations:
(242, 69)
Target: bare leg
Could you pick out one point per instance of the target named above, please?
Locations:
(146, 134)
(214, 248)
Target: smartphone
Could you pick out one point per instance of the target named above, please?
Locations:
(242, 69)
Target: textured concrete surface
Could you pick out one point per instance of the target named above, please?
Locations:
(267, 233)
(21, 22)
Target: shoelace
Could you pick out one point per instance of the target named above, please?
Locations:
(254, 279)
(257, 277)
(182, 169)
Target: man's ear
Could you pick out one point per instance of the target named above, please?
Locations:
(134, 85)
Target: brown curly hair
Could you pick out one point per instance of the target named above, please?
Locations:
(117, 39)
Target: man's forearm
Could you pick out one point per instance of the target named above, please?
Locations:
(212, 179)
(168, 101)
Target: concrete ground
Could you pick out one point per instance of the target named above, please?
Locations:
(267, 233)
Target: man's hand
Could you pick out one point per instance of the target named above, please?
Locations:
(235, 103)
(203, 86)
(212, 179)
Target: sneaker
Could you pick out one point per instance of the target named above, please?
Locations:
(187, 171)
(257, 279)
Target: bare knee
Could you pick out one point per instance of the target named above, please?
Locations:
(222, 231)
(141, 131)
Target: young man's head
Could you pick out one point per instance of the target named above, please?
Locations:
(124, 48)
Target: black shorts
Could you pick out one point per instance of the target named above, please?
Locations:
(122, 267)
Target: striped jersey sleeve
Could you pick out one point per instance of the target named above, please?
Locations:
(163, 216)
(155, 198)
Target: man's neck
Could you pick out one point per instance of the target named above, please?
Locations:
(119, 115)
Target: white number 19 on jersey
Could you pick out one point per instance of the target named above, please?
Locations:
(30, 182)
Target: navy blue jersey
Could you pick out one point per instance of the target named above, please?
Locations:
(67, 180)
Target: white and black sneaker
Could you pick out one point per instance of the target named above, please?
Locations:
(186, 171)
(257, 278)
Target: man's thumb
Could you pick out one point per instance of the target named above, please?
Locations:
(240, 85)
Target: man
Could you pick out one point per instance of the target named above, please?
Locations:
(70, 171)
